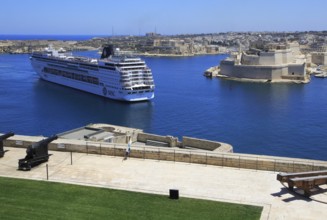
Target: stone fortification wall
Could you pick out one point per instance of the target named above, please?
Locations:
(252, 72)
(206, 145)
(264, 65)
(319, 58)
(227, 67)
(296, 69)
(276, 57)
(241, 161)
(171, 141)
(288, 56)
(264, 58)
(277, 72)
(268, 58)
(250, 59)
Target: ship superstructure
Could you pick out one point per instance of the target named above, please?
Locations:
(116, 75)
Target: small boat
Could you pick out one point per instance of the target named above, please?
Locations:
(321, 75)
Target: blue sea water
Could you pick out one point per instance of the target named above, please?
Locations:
(268, 119)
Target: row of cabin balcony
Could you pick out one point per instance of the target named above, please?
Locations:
(138, 81)
(145, 77)
(134, 67)
(145, 70)
(127, 76)
(129, 85)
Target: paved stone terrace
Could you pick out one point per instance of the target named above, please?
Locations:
(192, 180)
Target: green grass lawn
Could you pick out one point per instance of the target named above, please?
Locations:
(28, 199)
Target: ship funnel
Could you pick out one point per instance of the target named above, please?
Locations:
(108, 50)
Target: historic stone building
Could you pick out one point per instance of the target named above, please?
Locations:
(267, 62)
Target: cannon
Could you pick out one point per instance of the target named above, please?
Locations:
(2, 138)
(36, 154)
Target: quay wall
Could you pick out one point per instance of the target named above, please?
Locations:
(235, 160)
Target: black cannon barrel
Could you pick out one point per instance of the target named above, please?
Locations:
(39, 148)
(36, 154)
(2, 138)
(45, 141)
(7, 135)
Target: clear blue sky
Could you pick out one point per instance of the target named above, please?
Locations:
(101, 17)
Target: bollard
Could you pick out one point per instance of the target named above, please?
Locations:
(222, 162)
(173, 194)
(206, 159)
(174, 156)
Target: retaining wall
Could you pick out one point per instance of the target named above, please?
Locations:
(246, 161)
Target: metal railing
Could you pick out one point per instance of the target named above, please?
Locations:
(235, 160)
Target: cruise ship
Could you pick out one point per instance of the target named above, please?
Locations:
(116, 75)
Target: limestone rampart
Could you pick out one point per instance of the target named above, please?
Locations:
(206, 145)
(144, 137)
(236, 160)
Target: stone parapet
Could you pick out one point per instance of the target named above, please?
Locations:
(170, 140)
(236, 160)
(206, 145)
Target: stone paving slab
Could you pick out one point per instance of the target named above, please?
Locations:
(192, 180)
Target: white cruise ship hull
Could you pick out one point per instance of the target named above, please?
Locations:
(101, 87)
(97, 90)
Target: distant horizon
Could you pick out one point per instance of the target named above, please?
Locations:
(69, 34)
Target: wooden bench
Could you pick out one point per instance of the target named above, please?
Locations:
(307, 183)
(304, 180)
(285, 177)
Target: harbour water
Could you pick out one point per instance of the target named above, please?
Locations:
(267, 119)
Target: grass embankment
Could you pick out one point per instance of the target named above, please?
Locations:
(28, 199)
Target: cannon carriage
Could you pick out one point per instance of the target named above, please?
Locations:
(36, 154)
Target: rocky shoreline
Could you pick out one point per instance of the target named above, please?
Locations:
(29, 46)
(147, 46)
